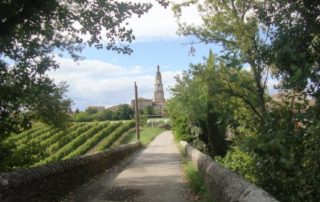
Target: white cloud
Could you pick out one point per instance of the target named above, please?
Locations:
(94, 82)
(160, 23)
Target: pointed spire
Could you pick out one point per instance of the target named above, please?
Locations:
(158, 91)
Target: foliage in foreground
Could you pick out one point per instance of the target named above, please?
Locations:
(276, 137)
(239, 161)
(33, 33)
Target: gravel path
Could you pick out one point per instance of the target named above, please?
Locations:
(155, 174)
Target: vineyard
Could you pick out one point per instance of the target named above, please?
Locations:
(43, 144)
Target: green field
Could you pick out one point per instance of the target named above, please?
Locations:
(43, 144)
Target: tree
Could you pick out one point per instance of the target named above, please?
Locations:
(32, 32)
(207, 99)
(106, 114)
(229, 24)
(23, 100)
(123, 112)
(149, 110)
(293, 127)
(52, 107)
(187, 109)
(294, 43)
(91, 110)
(83, 117)
(282, 38)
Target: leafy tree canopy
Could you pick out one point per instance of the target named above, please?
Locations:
(294, 42)
(33, 31)
(209, 98)
(270, 37)
(119, 112)
(230, 24)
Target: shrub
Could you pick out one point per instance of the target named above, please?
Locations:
(238, 161)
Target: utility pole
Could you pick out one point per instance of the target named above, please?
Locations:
(136, 111)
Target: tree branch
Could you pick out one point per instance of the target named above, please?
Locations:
(246, 101)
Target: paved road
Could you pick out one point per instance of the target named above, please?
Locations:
(154, 174)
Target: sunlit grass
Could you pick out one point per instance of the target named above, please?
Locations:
(147, 134)
(196, 183)
(195, 180)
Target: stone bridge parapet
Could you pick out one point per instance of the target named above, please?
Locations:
(53, 181)
(222, 184)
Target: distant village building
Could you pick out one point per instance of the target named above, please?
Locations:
(158, 101)
(142, 103)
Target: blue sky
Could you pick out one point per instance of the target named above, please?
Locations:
(173, 53)
(106, 78)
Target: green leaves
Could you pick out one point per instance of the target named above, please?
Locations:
(213, 90)
(44, 144)
(293, 42)
(239, 161)
(121, 112)
(32, 32)
(280, 134)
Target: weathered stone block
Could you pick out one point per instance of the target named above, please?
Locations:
(52, 181)
(223, 184)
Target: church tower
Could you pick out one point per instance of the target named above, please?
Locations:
(158, 88)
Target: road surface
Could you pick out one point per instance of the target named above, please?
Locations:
(154, 175)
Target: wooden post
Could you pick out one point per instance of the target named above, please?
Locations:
(136, 111)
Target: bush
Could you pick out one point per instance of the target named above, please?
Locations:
(240, 162)
(287, 158)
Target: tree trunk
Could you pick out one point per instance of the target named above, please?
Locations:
(217, 141)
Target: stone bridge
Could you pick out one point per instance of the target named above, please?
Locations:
(154, 174)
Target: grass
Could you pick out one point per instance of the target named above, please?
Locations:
(196, 183)
(146, 136)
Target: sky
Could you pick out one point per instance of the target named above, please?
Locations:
(106, 78)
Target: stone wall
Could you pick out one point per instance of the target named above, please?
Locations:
(52, 181)
(223, 184)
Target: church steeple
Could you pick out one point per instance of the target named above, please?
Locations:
(158, 88)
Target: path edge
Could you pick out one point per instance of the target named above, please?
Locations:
(223, 184)
(53, 181)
